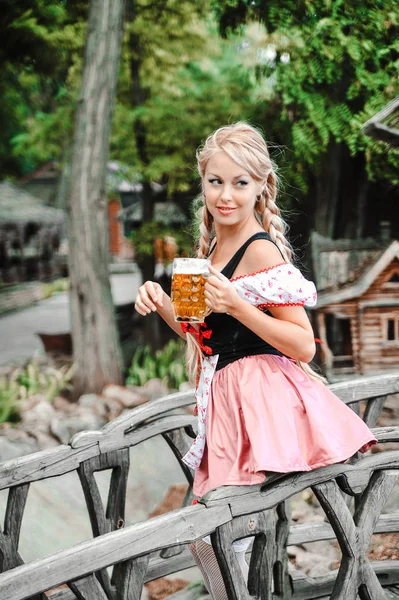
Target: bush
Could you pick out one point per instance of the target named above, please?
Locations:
(166, 364)
(23, 383)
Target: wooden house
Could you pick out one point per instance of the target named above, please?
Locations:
(357, 312)
(384, 125)
(31, 235)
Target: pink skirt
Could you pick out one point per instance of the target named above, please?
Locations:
(266, 414)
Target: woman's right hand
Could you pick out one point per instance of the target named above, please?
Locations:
(149, 298)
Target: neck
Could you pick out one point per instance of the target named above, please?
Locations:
(237, 234)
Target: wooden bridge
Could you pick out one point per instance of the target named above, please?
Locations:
(352, 496)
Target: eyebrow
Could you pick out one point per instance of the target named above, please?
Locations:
(236, 177)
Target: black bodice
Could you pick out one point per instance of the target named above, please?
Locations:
(230, 338)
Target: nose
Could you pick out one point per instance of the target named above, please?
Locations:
(226, 194)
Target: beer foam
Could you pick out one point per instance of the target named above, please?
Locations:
(192, 266)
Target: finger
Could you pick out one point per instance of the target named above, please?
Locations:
(156, 293)
(217, 273)
(142, 307)
(141, 310)
(146, 300)
(213, 283)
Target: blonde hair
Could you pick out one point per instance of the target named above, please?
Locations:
(245, 145)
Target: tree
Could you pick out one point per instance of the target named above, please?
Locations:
(94, 333)
(342, 69)
(40, 42)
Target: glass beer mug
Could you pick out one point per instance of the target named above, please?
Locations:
(188, 289)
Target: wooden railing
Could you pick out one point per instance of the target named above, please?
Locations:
(352, 496)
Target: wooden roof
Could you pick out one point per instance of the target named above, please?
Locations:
(384, 125)
(354, 269)
(19, 207)
(339, 262)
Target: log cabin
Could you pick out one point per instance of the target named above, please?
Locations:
(357, 312)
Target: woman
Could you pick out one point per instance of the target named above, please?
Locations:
(261, 407)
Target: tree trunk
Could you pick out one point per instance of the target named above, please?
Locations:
(328, 191)
(94, 333)
(138, 97)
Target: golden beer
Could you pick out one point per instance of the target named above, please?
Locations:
(188, 289)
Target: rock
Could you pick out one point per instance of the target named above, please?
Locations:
(314, 559)
(31, 402)
(172, 499)
(164, 587)
(95, 403)
(156, 388)
(64, 428)
(63, 405)
(38, 418)
(128, 398)
(13, 448)
(186, 386)
(114, 408)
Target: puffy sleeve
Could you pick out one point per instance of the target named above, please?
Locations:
(282, 285)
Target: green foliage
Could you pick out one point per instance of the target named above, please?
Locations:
(9, 396)
(190, 84)
(343, 68)
(166, 364)
(144, 236)
(41, 58)
(25, 382)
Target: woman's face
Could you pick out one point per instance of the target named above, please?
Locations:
(230, 191)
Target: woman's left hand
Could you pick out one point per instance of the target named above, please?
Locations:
(220, 295)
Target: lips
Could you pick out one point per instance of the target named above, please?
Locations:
(225, 210)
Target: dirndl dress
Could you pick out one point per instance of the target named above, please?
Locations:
(258, 411)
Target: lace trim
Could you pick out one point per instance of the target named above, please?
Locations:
(260, 306)
(260, 271)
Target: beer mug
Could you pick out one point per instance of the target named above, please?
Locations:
(188, 289)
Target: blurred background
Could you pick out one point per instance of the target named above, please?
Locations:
(100, 117)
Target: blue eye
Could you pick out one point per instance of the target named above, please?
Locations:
(214, 180)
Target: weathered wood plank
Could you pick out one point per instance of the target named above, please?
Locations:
(315, 532)
(260, 576)
(161, 567)
(373, 410)
(248, 499)
(128, 578)
(335, 508)
(355, 574)
(132, 419)
(41, 465)
(366, 387)
(140, 434)
(88, 588)
(386, 434)
(299, 534)
(306, 588)
(180, 443)
(178, 527)
(9, 539)
(113, 517)
(282, 580)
